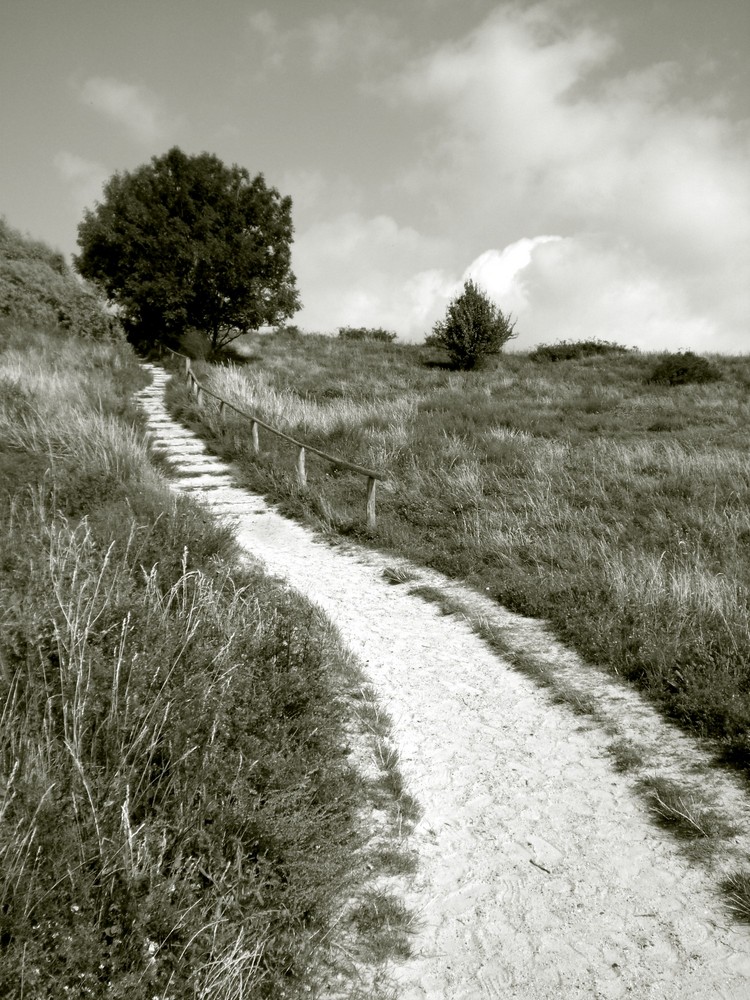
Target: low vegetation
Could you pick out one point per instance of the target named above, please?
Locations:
(571, 350)
(366, 333)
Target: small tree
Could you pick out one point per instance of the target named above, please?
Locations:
(473, 330)
(185, 241)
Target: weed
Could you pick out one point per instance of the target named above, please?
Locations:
(384, 921)
(626, 755)
(436, 596)
(390, 859)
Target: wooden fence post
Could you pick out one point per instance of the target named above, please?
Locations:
(371, 487)
(254, 432)
(301, 474)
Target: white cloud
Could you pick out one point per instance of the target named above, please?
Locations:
(85, 178)
(356, 37)
(127, 104)
(353, 270)
(326, 42)
(272, 41)
(651, 192)
(499, 272)
(318, 196)
(586, 288)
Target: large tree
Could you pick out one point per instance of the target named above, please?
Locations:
(187, 242)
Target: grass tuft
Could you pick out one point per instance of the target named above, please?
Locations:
(398, 574)
(684, 812)
(736, 889)
(385, 922)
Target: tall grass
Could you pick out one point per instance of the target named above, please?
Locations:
(573, 491)
(178, 814)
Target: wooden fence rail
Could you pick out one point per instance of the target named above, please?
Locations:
(302, 448)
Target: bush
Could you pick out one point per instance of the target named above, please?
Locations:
(366, 333)
(567, 350)
(289, 330)
(473, 330)
(683, 368)
(37, 288)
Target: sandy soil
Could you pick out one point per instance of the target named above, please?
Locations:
(541, 874)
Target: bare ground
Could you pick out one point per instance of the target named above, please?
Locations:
(541, 874)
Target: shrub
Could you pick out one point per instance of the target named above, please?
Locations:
(473, 330)
(366, 333)
(289, 330)
(683, 368)
(37, 288)
(567, 350)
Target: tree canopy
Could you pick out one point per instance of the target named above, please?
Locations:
(187, 242)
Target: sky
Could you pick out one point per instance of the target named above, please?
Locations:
(585, 161)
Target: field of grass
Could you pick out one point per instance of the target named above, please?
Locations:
(178, 814)
(573, 491)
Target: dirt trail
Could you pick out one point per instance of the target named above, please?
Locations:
(541, 876)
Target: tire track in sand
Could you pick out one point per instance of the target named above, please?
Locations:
(540, 874)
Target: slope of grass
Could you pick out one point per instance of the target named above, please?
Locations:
(574, 492)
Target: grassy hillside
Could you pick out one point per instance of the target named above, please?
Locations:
(173, 729)
(573, 490)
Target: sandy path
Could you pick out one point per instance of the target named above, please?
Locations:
(541, 875)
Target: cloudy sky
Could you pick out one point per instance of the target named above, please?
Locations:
(586, 161)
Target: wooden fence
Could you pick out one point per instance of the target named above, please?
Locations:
(370, 475)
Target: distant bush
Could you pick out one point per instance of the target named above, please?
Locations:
(473, 330)
(289, 330)
(567, 350)
(366, 333)
(683, 368)
(38, 288)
